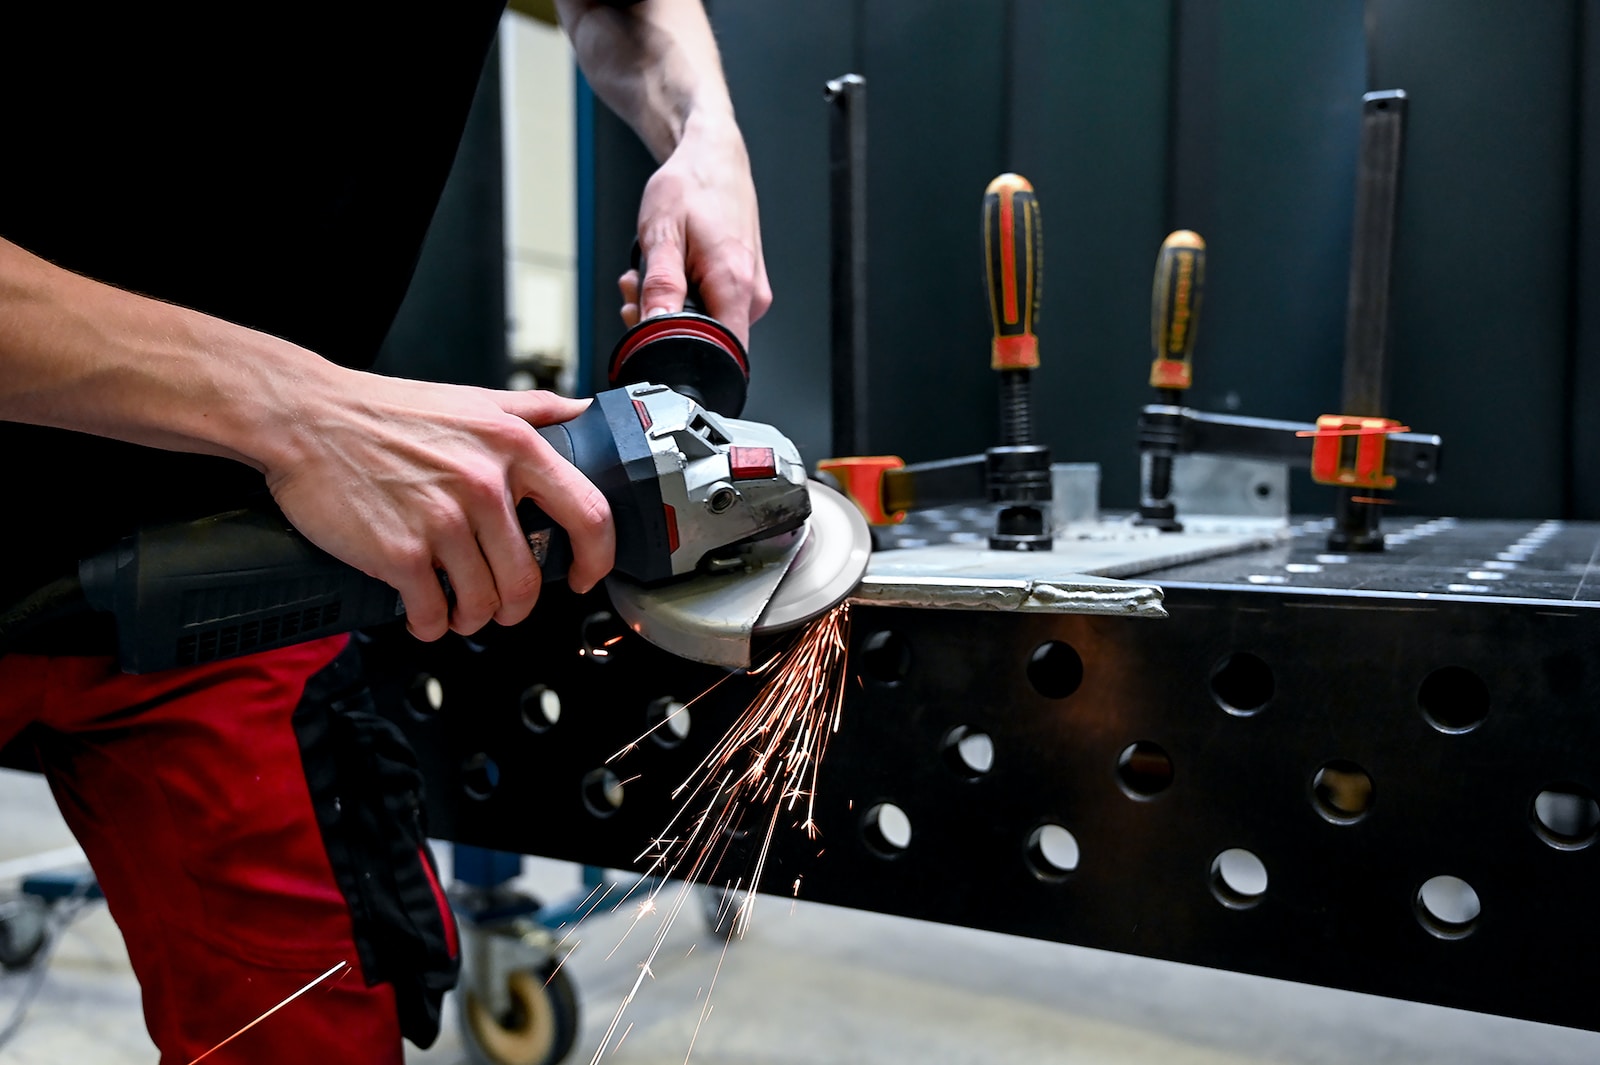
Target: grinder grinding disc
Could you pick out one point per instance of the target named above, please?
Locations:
(781, 583)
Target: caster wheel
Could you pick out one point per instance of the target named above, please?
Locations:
(539, 1028)
(22, 931)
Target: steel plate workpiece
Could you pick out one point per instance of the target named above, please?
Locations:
(970, 578)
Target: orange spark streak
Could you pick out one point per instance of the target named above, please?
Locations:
(563, 960)
(337, 968)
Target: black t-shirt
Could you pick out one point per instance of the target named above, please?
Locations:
(275, 165)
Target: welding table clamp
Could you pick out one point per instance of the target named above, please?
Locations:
(721, 537)
(1016, 472)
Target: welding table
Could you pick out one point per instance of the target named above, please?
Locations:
(1375, 772)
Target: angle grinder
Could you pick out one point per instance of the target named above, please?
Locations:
(720, 534)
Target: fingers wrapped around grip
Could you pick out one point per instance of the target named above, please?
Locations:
(563, 492)
(417, 484)
(484, 554)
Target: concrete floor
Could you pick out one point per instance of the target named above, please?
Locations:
(814, 984)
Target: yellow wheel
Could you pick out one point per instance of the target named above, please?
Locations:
(539, 1028)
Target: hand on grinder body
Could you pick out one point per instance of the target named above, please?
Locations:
(414, 479)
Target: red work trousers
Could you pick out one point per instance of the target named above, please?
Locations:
(187, 792)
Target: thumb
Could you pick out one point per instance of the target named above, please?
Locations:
(539, 408)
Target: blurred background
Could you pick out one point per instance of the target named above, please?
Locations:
(1235, 118)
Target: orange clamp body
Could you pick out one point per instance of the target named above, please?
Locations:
(1349, 451)
(861, 478)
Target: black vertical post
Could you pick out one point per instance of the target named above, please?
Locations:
(847, 255)
(1582, 488)
(1366, 371)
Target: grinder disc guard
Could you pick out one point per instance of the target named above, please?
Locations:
(830, 563)
(778, 584)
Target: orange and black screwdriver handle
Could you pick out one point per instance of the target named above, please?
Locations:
(1014, 259)
(1175, 311)
(1174, 318)
(1013, 256)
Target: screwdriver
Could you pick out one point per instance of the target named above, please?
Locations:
(1174, 317)
(1019, 469)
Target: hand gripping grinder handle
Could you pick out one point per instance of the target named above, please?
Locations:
(690, 351)
(246, 580)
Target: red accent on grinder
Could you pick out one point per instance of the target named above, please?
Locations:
(643, 412)
(748, 462)
(671, 326)
(672, 528)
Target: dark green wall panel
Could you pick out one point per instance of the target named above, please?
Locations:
(1089, 128)
(1483, 276)
(778, 57)
(1288, 85)
(935, 102)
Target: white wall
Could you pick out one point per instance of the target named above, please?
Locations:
(537, 86)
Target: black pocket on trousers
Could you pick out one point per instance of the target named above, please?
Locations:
(367, 790)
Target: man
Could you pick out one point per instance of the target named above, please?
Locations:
(207, 222)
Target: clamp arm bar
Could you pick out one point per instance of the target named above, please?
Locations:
(941, 483)
(1166, 430)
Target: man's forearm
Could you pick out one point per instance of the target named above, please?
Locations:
(399, 478)
(655, 63)
(78, 354)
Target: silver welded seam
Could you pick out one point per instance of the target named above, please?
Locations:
(977, 593)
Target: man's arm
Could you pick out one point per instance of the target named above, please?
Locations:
(655, 63)
(398, 478)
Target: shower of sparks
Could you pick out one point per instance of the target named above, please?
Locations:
(763, 771)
